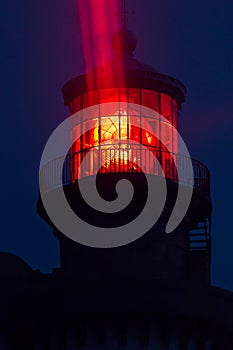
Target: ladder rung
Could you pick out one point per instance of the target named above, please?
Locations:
(198, 240)
(197, 234)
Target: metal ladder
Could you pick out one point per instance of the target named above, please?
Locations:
(199, 238)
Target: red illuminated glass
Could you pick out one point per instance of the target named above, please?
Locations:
(166, 107)
(150, 99)
(107, 141)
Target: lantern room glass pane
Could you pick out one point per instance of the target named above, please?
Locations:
(90, 137)
(175, 123)
(148, 127)
(76, 105)
(166, 135)
(109, 129)
(134, 129)
(106, 96)
(134, 96)
(166, 106)
(90, 99)
(175, 113)
(123, 95)
(150, 99)
(76, 145)
(109, 95)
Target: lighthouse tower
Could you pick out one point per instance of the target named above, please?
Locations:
(155, 291)
(106, 147)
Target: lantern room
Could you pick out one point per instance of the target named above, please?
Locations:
(109, 138)
(123, 143)
(108, 141)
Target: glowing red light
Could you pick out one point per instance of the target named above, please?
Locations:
(99, 21)
(109, 135)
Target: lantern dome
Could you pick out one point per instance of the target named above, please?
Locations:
(125, 71)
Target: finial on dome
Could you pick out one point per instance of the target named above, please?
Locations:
(124, 42)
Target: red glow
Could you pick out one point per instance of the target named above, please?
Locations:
(117, 154)
(99, 21)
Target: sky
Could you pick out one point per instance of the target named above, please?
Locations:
(41, 49)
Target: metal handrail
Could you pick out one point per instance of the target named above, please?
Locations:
(71, 171)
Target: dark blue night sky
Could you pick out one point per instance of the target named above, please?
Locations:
(41, 50)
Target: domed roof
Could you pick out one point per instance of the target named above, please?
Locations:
(124, 40)
(136, 74)
(124, 43)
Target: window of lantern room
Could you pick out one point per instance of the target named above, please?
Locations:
(166, 112)
(166, 107)
(106, 139)
(150, 125)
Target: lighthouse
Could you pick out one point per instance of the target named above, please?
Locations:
(154, 291)
(122, 144)
(130, 288)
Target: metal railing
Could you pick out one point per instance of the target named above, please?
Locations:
(115, 160)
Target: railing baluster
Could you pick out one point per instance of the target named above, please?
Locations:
(118, 162)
